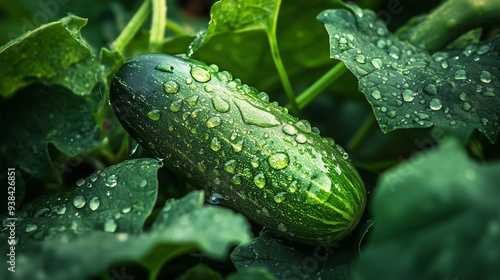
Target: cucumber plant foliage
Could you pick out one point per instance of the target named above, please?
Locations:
(88, 201)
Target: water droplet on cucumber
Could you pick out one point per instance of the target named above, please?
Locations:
(199, 74)
(278, 161)
(259, 180)
(171, 86)
(154, 115)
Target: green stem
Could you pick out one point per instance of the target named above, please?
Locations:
(158, 25)
(320, 85)
(177, 29)
(362, 133)
(132, 27)
(275, 52)
(450, 20)
(282, 72)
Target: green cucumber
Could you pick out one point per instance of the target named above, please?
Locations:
(247, 154)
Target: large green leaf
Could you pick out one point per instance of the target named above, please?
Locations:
(53, 53)
(71, 241)
(286, 261)
(437, 218)
(410, 88)
(38, 115)
(229, 16)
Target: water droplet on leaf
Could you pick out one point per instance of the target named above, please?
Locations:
(94, 203)
(111, 181)
(78, 201)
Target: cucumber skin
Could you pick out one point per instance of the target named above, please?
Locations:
(318, 197)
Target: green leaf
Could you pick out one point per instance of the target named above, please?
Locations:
(54, 54)
(38, 115)
(286, 261)
(200, 272)
(434, 214)
(75, 249)
(251, 274)
(230, 16)
(409, 88)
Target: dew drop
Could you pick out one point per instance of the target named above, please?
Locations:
(484, 121)
(460, 75)
(110, 225)
(192, 100)
(215, 198)
(165, 67)
(466, 107)
(93, 176)
(444, 64)
(111, 181)
(230, 165)
(259, 180)
(376, 94)
(463, 96)
(289, 129)
(215, 145)
(282, 227)
(199, 74)
(293, 186)
(176, 105)
(431, 89)
(154, 115)
(408, 95)
(301, 138)
(264, 96)
(279, 197)
(201, 166)
(61, 210)
(392, 114)
(435, 104)
(278, 161)
(303, 126)
(94, 203)
(80, 182)
(394, 52)
(143, 183)
(360, 58)
(236, 179)
(238, 146)
(483, 49)
(254, 115)
(213, 122)
(78, 201)
(217, 181)
(171, 86)
(381, 43)
(31, 227)
(485, 77)
(220, 104)
(255, 162)
(126, 210)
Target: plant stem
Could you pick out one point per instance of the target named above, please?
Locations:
(132, 27)
(362, 132)
(282, 72)
(275, 52)
(452, 19)
(320, 85)
(158, 25)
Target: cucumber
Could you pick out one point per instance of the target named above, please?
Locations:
(247, 154)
